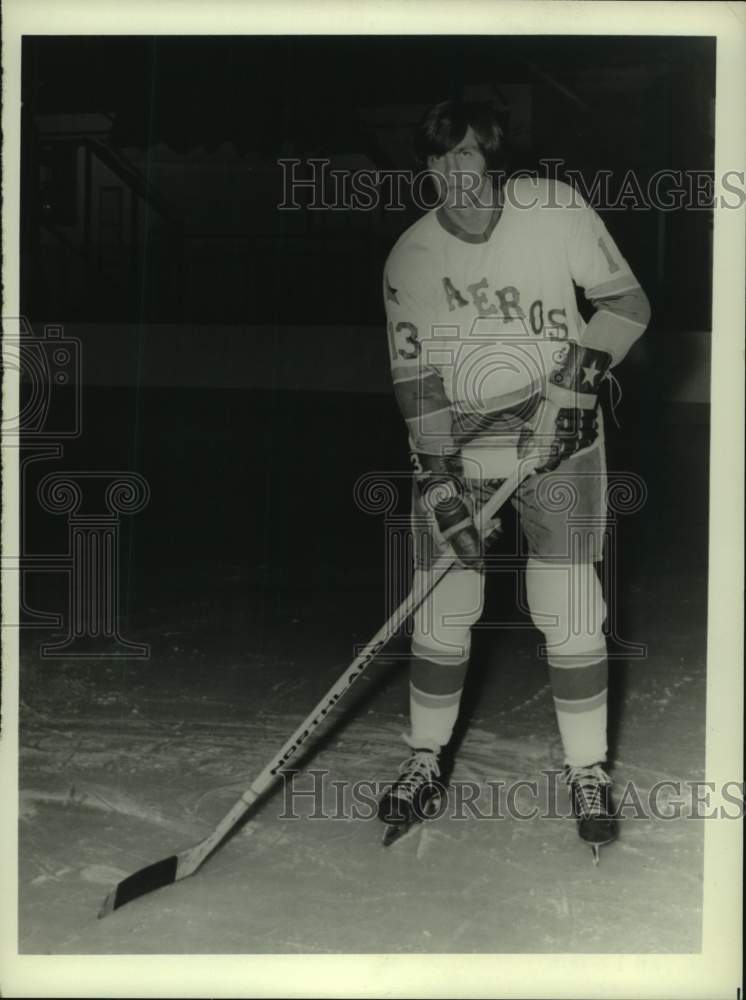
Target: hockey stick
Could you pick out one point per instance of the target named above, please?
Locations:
(179, 866)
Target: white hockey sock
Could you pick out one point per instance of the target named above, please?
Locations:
(432, 717)
(441, 641)
(579, 686)
(567, 604)
(583, 729)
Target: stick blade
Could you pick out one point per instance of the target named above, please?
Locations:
(146, 880)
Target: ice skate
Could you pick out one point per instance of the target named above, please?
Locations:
(590, 791)
(416, 795)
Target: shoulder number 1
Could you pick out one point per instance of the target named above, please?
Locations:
(613, 266)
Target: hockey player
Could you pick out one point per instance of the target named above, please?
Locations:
(492, 362)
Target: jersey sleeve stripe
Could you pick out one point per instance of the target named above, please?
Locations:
(410, 373)
(631, 306)
(622, 318)
(624, 283)
(402, 371)
(422, 397)
(431, 433)
(427, 412)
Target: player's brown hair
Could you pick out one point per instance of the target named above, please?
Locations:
(444, 126)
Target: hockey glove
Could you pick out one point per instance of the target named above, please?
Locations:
(441, 484)
(569, 420)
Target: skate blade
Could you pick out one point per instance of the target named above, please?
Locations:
(596, 849)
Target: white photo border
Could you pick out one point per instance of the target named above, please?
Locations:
(716, 971)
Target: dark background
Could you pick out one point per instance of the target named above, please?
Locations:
(610, 103)
(235, 355)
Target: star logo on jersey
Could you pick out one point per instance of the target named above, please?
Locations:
(590, 374)
(392, 294)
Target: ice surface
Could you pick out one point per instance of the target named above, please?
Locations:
(106, 790)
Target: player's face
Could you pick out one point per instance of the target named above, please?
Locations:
(459, 171)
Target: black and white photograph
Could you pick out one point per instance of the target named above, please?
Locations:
(372, 489)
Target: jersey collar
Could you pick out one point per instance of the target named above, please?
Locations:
(455, 230)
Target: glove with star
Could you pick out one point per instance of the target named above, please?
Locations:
(569, 420)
